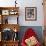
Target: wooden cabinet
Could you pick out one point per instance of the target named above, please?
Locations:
(44, 7)
(9, 25)
(10, 43)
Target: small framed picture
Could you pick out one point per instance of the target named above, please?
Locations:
(5, 12)
(30, 13)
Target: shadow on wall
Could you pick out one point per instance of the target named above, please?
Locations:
(37, 29)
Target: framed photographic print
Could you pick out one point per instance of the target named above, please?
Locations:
(30, 13)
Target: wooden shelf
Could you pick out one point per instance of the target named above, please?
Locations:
(10, 43)
(11, 26)
(10, 9)
(4, 13)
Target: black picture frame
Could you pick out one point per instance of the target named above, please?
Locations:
(30, 13)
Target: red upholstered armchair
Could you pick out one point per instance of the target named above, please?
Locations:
(30, 38)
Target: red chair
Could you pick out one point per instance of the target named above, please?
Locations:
(29, 33)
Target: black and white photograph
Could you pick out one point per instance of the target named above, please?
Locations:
(30, 13)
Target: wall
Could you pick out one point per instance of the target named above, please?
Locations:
(26, 3)
(31, 3)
